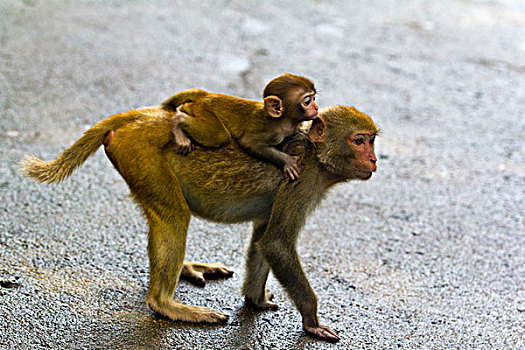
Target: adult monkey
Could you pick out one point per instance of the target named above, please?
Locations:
(230, 186)
(213, 119)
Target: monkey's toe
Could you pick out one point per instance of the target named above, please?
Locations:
(323, 332)
(217, 317)
(199, 273)
(207, 315)
(183, 149)
(176, 311)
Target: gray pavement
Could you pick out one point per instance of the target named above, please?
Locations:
(428, 254)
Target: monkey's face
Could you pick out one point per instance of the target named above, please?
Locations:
(308, 106)
(345, 142)
(300, 105)
(351, 156)
(363, 159)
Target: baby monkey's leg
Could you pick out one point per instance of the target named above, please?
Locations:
(192, 122)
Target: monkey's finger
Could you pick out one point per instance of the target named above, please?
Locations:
(225, 272)
(222, 318)
(293, 174)
(330, 332)
(289, 174)
(194, 277)
(218, 272)
(215, 269)
(330, 336)
(214, 316)
(324, 332)
(198, 279)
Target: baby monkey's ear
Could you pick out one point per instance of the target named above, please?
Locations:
(274, 106)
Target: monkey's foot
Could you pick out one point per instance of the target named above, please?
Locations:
(183, 144)
(323, 332)
(176, 311)
(263, 304)
(198, 273)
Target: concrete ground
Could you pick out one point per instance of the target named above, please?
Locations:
(428, 254)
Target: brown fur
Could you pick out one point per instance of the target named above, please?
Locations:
(224, 185)
(213, 120)
(286, 87)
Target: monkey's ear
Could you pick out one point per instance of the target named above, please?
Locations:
(317, 130)
(274, 106)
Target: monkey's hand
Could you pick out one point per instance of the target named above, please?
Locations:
(323, 332)
(197, 273)
(291, 168)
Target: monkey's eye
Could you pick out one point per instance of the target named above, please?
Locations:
(372, 139)
(307, 101)
(359, 141)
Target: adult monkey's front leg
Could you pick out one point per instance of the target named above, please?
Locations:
(278, 246)
(257, 269)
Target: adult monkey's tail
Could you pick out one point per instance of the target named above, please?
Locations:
(73, 157)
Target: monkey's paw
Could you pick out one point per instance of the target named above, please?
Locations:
(183, 144)
(208, 315)
(291, 168)
(198, 273)
(323, 332)
(176, 311)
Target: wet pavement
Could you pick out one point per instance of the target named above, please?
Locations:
(428, 254)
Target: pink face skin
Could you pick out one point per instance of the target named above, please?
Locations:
(362, 143)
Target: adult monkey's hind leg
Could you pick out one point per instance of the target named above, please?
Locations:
(166, 249)
(159, 193)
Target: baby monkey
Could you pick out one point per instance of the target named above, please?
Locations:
(212, 119)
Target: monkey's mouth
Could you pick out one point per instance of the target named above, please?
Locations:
(313, 116)
(363, 174)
